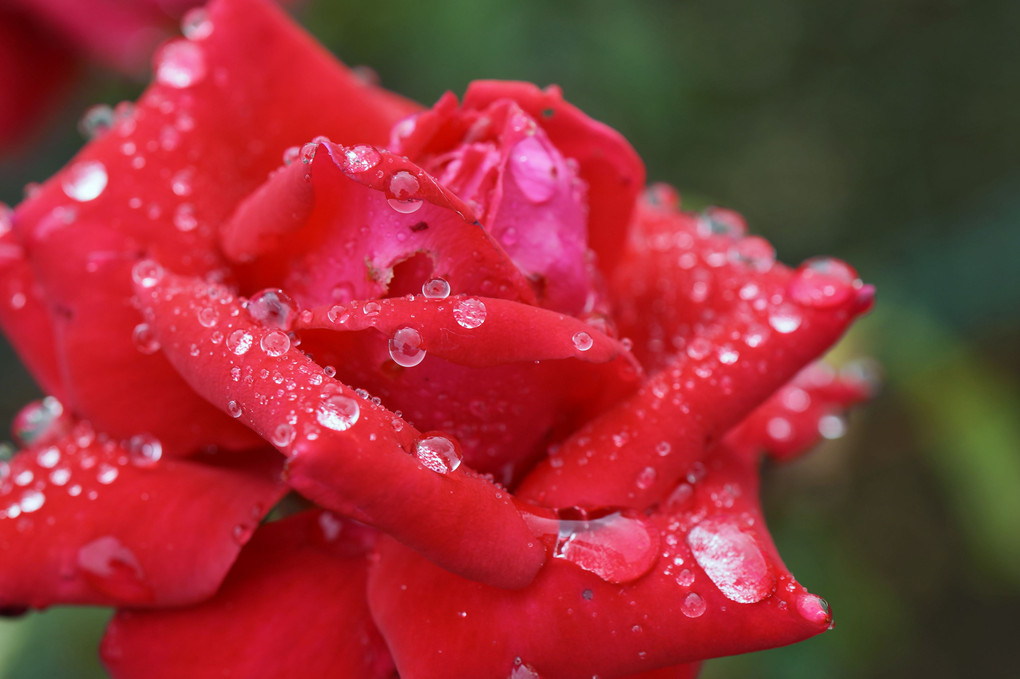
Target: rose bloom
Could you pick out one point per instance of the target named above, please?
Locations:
(508, 404)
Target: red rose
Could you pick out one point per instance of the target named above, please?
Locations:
(527, 397)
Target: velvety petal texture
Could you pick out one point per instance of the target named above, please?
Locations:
(342, 387)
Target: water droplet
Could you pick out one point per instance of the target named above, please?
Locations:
(145, 450)
(403, 187)
(31, 501)
(106, 474)
(234, 409)
(663, 448)
(180, 64)
(785, 319)
(728, 355)
(814, 609)
(469, 313)
(308, 152)
(184, 218)
(831, 426)
(582, 341)
(823, 282)
(754, 252)
(731, 559)
(685, 578)
(96, 121)
(699, 348)
(693, 605)
(208, 317)
(291, 154)
(533, 169)
(275, 343)
(239, 341)
(145, 339)
(147, 273)
(112, 568)
(719, 222)
(48, 457)
(646, 478)
(41, 422)
(283, 435)
(85, 180)
(405, 348)
(371, 308)
(338, 412)
(438, 452)
(618, 546)
(196, 24)
(437, 288)
(361, 158)
(779, 428)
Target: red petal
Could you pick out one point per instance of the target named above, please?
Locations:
(292, 607)
(209, 121)
(608, 164)
(489, 371)
(346, 452)
(307, 231)
(95, 522)
(719, 588)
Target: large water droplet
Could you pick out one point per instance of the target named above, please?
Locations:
(41, 422)
(533, 169)
(438, 452)
(180, 64)
(272, 308)
(405, 348)
(85, 180)
(240, 341)
(693, 605)
(823, 282)
(469, 313)
(112, 568)
(145, 450)
(404, 187)
(361, 158)
(31, 501)
(616, 545)
(145, 339)
(731, 559)
(338, 412)
(437, 288)
(275, 343)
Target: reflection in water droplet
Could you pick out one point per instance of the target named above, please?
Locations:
(785, 319)
(180, 64)
(85, 180)
(405, 348)
(147, 273)
(338, 412)
(582, 341)
(234, 409)
(437, 288)
(145, 450)
(617, 545)
(275, 343)
(438, 452)
(145, 339)
(731, 559)
(693, 605)
(240, 341)
(469, 313)
(361, 158)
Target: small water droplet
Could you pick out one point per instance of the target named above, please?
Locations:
(145, 339)
(283, 435)
(693, 605)
(437, 288)
(240, 341)
(785, 319)
(469, 313)
(275, 343)
(106, 474)
(96, 121)
(338, 412)
(196, 24)
(180, 64)
(582, 341)
(438, 452)
(731, 559)
(208, 317)
(234, 409)
(184, 218)
(145, 450)
(85, 180)
(405, 348)
(147, 273)
(308, 152)
(361, 158)
(663, 448)
(823, 282)
(685, 578)
(533, 169)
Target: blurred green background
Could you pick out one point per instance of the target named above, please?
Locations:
(885, 132)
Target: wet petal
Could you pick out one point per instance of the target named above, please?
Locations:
(717, 588)
(208, 121)
(306, 574)
(81, 514)
(345, 452)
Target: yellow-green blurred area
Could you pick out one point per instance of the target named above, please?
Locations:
(884, 132)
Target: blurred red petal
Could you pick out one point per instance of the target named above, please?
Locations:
(208, 121)
(345, 452)
(292, 607)
(97, 522)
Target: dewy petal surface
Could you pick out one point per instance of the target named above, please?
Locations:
(203, 136)
(96, 522)
(292, 608)
(344, 451)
